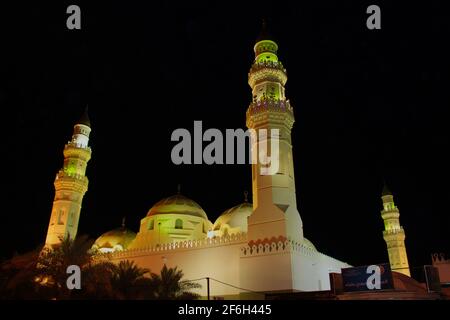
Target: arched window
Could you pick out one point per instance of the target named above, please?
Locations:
(178, 224)
(61, 216)
(151, 225)
(54, 216)
(70, 223)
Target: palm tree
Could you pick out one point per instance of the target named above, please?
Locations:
(168, 285)
(96, 281)
(42, 274)
(53, 263)
(17, 277)
(129, 282)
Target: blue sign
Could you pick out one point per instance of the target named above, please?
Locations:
(367, 278)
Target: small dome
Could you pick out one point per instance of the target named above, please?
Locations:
(177, 204)
(117, 239)
(235, 217)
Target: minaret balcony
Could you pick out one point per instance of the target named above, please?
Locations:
(267, 70)
(397, 231)
(267, 64)
(270, 105)
(71, 176)
(77, 146)
(270, 111)
(391, 214)
(77, 150)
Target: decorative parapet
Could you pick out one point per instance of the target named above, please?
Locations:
(71, 176)
(71, 144)
(394, 231)
(391, 213)
(281, 245)
(180, 245)
(267, 70)
(73, 149)
(267, 64)
(270, 105)
(72, 181)
(265, 248)
(439, 258)
(276, 245)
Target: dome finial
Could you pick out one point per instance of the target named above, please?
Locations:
(123, 222)
(245, 196)
(179, 188)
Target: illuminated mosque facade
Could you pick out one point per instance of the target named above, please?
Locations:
(257, 247)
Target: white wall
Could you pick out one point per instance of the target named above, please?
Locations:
(269, 267)
(220, 262)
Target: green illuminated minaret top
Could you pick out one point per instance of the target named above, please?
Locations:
(77, 152)
(267, 76)
(265, 47)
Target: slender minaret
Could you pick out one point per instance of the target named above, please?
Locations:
(274, 201)
(393, 234)
(71, 184)
(276, 255)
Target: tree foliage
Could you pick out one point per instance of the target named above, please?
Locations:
(168, 285)
(42, 274)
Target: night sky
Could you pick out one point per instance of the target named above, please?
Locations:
(369, 104)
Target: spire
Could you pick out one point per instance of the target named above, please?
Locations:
(123, 222)
(264, 34)
(245, 196)
(386, 191)
(85, 118)
(265, 47)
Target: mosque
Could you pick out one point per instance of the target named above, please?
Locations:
(250, 248)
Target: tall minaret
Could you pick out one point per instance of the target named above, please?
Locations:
(71, 184)
(274, 202)
(393, 234)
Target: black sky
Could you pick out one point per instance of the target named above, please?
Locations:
(368, 105)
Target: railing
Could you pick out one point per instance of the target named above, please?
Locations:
(187, 244)
(71, 144)
(63, 174)
(270, 104)
(394, 231)
(267, 64)
(276, 245)
(279, 245)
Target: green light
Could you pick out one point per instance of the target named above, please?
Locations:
(266, 57)
(71, 168)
